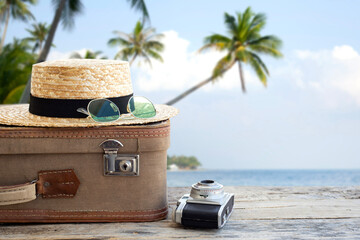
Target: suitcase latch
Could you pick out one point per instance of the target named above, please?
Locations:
(119, 164)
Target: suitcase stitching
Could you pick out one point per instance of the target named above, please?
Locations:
(16, 190)
(92, 215)
(33, 210)
(16, 200)
(26, 134)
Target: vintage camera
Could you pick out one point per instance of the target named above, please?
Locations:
(207, 206)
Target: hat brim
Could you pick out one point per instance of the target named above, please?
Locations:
(19, 115)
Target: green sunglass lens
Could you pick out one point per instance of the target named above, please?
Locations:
(141, 107)
(103, 110)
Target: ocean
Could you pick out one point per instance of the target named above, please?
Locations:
(266, 177)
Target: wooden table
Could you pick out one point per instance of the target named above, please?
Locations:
(260, 213)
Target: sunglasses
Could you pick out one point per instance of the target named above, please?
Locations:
(104, 110)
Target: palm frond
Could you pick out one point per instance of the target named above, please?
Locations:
(113, 42)
(216, 41)
(122, 34)
(216, 38)
(146, 57)
(125, 54)
(258, 20)
(154, 37)
(253, 28)
(241, 55)
(140, 5)
(20, 10)
(138, 28)
(258, 59)
(258, 68)
(156, 45)
(267, 45)
(230, 23)
(244, 43)
(243, 23)
(141, 43)
(71, 9)
(155, 55)
(148, 32)
(268, 40)
(222, 66)
(266, 50)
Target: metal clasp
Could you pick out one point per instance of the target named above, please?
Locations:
(118, 164)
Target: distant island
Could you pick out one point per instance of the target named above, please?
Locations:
(182, 162)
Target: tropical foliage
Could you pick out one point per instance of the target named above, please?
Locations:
(17, 9)
(183, 161)
(140, 6)
(65, 12)
(38, 35)
(88, 55)
(141, 43)
(16, 60)
(243, 44)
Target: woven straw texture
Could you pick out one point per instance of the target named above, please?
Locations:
(18, 115)
(78, 79)
(81, 79)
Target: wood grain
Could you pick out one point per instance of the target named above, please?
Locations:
(260, 213)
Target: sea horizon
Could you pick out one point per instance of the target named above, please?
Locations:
(267, 177)
(265, 169)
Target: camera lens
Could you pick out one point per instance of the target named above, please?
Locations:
(207, 181)
(207, 189)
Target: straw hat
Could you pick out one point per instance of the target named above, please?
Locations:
(59, 87)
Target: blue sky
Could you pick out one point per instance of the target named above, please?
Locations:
(307, 118)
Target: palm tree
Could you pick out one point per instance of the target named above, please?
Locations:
(16, 60)
(38, 35)
(88, 55)
(140, 43)
(66, 10)
(17, 9)
(242, 46)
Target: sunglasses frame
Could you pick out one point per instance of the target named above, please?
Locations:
(87, 112)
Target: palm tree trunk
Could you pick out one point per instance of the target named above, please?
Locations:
(40, 47)
(45, 51)
(5, 28)
(197, 86)
(50, 37)
(242, 80)
(187, 92)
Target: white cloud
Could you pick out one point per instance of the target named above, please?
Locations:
(182, 69)
(56, 55)
(344, 53)
(333, 74)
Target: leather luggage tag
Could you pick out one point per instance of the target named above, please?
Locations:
(57, 183)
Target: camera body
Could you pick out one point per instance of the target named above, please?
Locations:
(207, 206)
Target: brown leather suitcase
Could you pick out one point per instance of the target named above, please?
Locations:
(98, 174)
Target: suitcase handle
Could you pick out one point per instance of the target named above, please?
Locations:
(50, 184)
(17, 193)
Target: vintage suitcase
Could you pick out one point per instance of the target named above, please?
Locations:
(106, 174)
(66, 158)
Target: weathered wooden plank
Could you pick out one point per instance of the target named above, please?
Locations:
(245, 193)
(256, 203)
(245, 229)
(260, 213)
